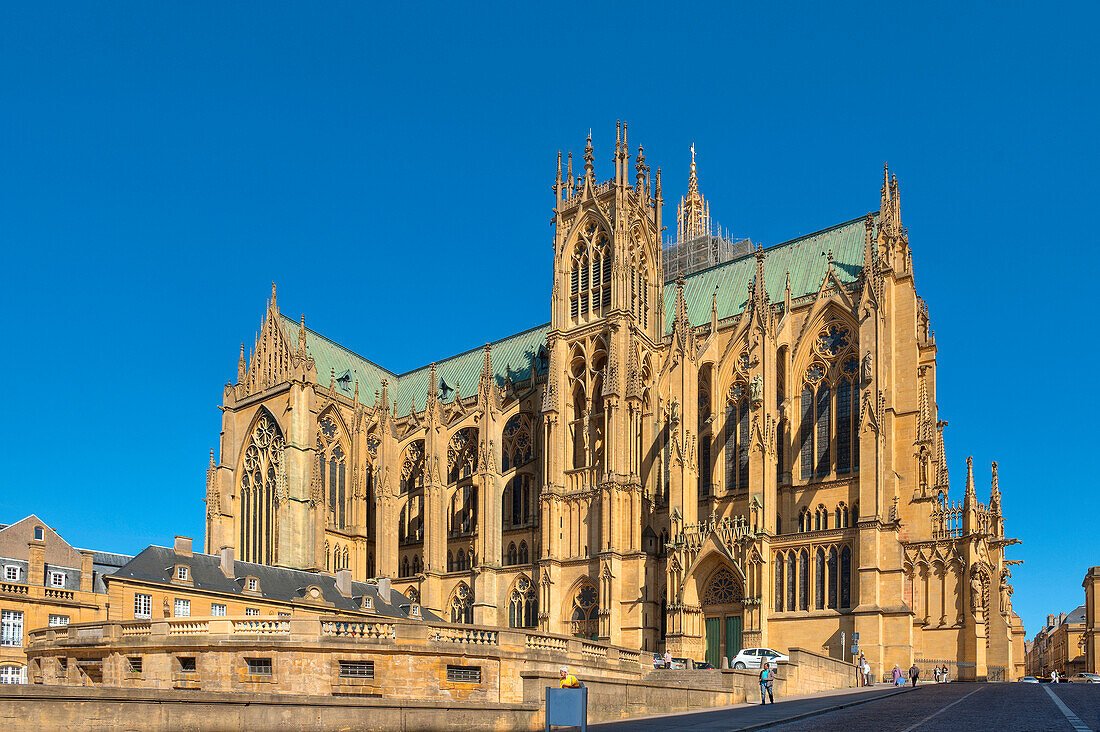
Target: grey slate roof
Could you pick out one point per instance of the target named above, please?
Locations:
(156, 563)
(1077, 615)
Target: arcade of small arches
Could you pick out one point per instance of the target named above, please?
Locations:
(813, 578)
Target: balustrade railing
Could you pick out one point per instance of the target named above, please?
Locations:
(256, 626)
(476, 636)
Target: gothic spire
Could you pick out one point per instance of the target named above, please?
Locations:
(640, 172)
(302, 337)
(485, 389)
(242, 366)
(684, 335)
(942, 476)
(693, 213)
(971, 498)
(924, 419)
(589, 170)
(995, 493)
(433, 389)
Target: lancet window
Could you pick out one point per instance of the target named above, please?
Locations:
(820, 578)
(828, 435)
(516, 510)
(590, 273)
(410, 523)
(523, 604)
(332, 462)
(584, 621)
(412, 467)
(705, 476)
(463, 510)
(519, 445)
(462, 455)
(586, 419)
(462, 604)
(260, 471)
(737, 438)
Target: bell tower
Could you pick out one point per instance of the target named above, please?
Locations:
(606, 324)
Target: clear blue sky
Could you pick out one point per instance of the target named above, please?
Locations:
(162, 163)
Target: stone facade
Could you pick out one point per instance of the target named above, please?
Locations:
(1059, 646)
(1091, 635)
(44, 581)
(751, 455)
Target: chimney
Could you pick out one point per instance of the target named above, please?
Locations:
(1050, 620)
(384, 590)
(36, 563)
(226, 554)
(343, 582)
(183, 546)
(87, 574)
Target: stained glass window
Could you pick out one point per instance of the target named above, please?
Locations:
(819, 583)
(258, 474)
(823, 404)
(523, 604)
(723, 589)
(845, 576)
(804, 580)
(833, 579)
(731, 448)
(743, 448)
(779, 583)
(585, 622)
(462, 607)
(807, 431)
(843, 426)
(791, 579)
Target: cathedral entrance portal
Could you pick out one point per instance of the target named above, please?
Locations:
(722, 612)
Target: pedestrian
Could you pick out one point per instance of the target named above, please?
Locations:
(943, 674)
(897, 675)
(766, 682)
(668, 659)
(868, 681)
(914, 672)
(936, 674)
(568, 680)
(1054, 677)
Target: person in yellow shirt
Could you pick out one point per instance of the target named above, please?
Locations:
(568, 680)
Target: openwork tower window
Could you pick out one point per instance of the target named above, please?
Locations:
(590, 273)
(828, 435)
(523, 604)
(260, 471)
(332, 461)
(462, 604)
(519, 447)
(585, 619)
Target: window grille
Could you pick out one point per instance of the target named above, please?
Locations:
(258, 666)
(464, 674)
(187, 664)
(135, 664)
(357, 669)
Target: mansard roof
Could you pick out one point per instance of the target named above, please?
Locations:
(156, 564)
(803, 258)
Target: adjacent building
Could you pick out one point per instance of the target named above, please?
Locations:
(46, 582)
(750, 454)
(1091, 635)
(1059, 646)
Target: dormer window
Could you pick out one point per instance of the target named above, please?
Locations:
(344, 381)
(182, 573)
(414, 611)
(57, 579)
(368, 603)
(253, 584)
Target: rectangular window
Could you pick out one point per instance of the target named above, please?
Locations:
(251, 611)
(11, 628)
(56, 621)
(357, 669)
(464, 674)
(11, 573)
(182, 609)
(38, 533)
(253, 584)
(135, 664)
(258, 666)
(181, 573)
(143, 606)
(57, 579)
(187, 664)
(217, 610)
(284, 615)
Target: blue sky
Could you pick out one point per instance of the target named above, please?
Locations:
(161, 164)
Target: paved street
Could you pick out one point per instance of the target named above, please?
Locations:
(1007, 707)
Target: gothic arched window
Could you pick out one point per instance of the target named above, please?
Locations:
(828, 435)
(819, 578)
(511, 557)
(590, 273)
(705, 476)
(462, 604)
(523, 604)
(845, 577)
(412, 467)
(792, 578)
(416, 564)
(413, 594)
(462, 455)
(522, 558)
(833, 579)
(261, 470)
(516, 502)
(779, 582)
(332, 461)
(519, 446)
(804, 580)
(584, 621)
(737, 438)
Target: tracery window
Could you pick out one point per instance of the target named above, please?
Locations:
(413, 594)
(828, 435)
(523, 555)
(516, 502)
(463, 518)
(722, 589)
(260, 469)
(705, 476)
(737, 438)
(412, 467)
(845, 577)
(519, 445)
(590, 273)
(584, 622)
(638, 274)
(332, 461)
(791, 576)
(793, 572)
(819, 577)
(804, 580)
(523, 604)
(410, 522)
(833, 579)
(779, 583)
(462, 604)
(462, 454)
(804, 521)
(511, 557)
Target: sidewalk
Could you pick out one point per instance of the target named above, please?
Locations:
(751, 716)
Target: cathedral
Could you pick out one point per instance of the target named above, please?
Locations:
(740, 450)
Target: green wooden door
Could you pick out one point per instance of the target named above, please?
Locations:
(733, 637)
(714, 627)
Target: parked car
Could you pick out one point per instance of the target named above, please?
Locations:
(1084, 678)
(1029, 680)
(753, 657)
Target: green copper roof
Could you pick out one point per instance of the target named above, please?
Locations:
(803, 258)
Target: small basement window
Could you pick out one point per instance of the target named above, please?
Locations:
(357, 669)
(135, 664)
(464, 674)
(187, 664)
(258, 666)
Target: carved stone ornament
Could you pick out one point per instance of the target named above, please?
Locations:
(756, 391)
(865, 369)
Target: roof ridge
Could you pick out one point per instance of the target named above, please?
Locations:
(788, 242)
(340, 346)
(473, 350)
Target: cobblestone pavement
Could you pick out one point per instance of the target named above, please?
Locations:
(1005, 707)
